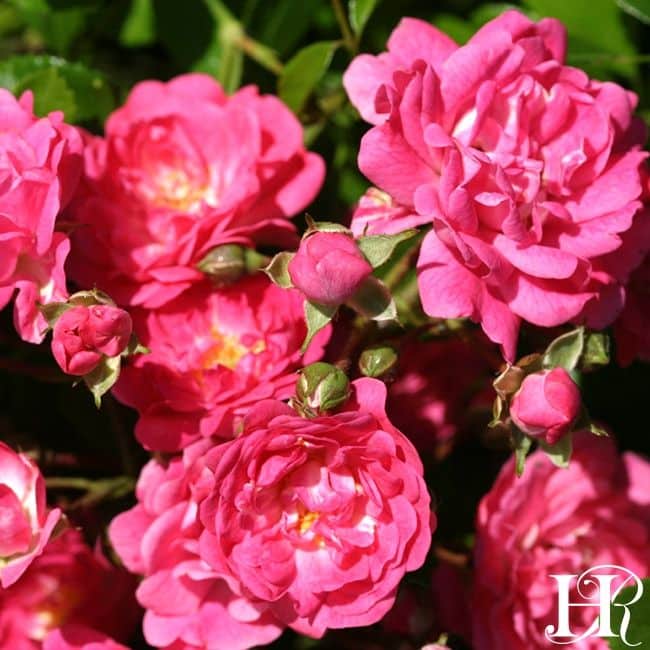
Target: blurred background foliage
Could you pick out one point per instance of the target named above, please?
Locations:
(83, 56)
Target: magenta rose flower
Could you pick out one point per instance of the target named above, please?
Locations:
(40, 164)
(328, 268)
(213, 354)
(83, 336)
(527, 170)
(26, 524)
(546, 405)
(78, 637)
(319, 517)
(69, 592)
(307, 523)
(183, 168)
(556, 521)
(188, 604)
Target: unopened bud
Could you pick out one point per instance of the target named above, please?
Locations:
(224, 264)
(322, 387)
(377, 361)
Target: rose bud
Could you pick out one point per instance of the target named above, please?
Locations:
(546, 405)
(321, 387)
(83, 335)
(25, 522)
(328, 268)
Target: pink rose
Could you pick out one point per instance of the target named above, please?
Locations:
(213, 355)
(309, 523)
(631, 330)
(78, 637)
(82, 336)
(25, 522)
(328, 268)
(528, 171)
(188, 604)
(68, 593)
(438, 385)
(184, 168)
(556, 521)
(40, 164)
(377, 213)
(319, 517)
(546, 405)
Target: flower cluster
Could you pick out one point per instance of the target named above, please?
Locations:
(307, 523)
(298, 397)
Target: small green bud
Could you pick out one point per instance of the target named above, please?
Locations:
(224, 264)
(377, 361)
(321, 387)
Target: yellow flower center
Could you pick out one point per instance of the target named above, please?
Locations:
(306, 521)
(175, 189)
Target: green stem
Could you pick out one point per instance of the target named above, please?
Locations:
(260, 53)
(348, 37)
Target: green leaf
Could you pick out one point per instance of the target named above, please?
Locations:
(638, 630)
(597, 38)
(359, 12)
(51, 93)
(139, 26)
(316, 316)
(373, 300)
(80, 92)
(102, 378)
(639, 9)
(565, 351)
(596, 352)
(278, 270)
(457, 28)
(560, 452)
(284, 23)
(521, 444)
(57, 26)
(378, 249)
(303, 72)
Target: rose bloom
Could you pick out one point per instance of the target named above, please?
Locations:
(438, 385)
(213, 354)
(307, 523)
(184, 168)
(26, 524)
(631, 330)
(546, 405)
(556, 521)
(528, 171)
(83, 336)
(328, 268)
(68, 585)
(40, 164)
